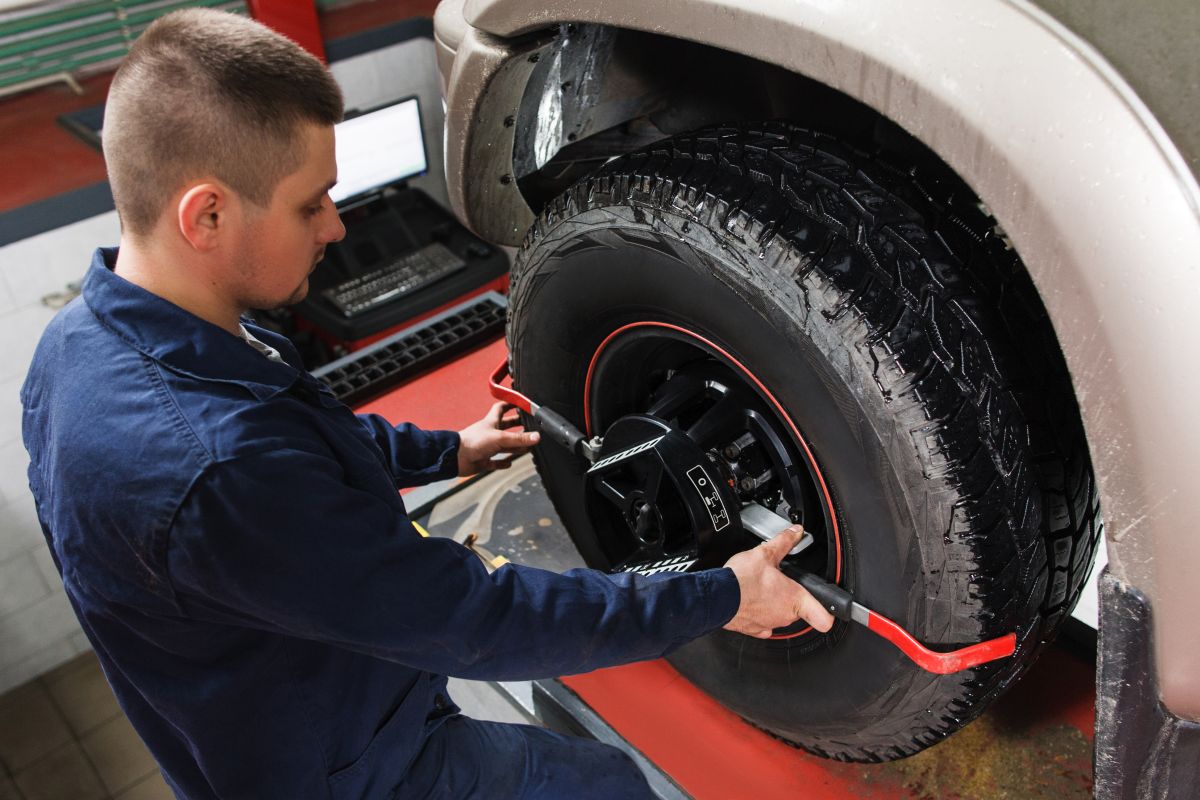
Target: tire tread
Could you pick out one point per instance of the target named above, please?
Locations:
(928, 290)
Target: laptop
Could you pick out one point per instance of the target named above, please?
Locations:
(403, 253)
(376, 149)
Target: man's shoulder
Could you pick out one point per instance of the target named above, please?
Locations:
(76, 347)
(102, 430)
(74, 319)
(94, 398)
(80, 382)
(81, 366)
(107, 466)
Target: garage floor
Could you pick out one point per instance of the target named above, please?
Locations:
(63, 736)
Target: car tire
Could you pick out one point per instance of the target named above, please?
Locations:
(898, 336)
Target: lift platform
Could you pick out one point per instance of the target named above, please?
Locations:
(1036, 742)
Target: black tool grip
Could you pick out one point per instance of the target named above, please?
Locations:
(837, 601)
(559, 429)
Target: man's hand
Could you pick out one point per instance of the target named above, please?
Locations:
(771, 600)
(482, 441)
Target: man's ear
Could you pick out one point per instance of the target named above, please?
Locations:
(203, 215)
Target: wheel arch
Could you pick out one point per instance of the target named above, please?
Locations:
(1087, 186)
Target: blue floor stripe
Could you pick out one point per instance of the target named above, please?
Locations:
(55, 212)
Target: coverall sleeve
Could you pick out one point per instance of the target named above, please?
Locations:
(278, 541)
(416, 456)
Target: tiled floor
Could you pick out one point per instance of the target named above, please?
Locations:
(63, 737)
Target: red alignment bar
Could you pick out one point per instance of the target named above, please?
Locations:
(941, 663)
(506, 394)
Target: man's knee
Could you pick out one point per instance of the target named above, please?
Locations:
(466, 758)
(626, 775)
(584, 768)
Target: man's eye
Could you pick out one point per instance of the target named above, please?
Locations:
(312, 211)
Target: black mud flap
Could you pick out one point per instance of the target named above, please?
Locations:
(1142, 749)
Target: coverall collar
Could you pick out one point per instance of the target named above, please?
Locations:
(178, 339)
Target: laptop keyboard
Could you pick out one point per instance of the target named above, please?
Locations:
(402, 277)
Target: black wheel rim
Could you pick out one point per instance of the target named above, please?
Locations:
(676, 375)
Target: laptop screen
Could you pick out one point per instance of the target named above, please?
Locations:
(382, 146)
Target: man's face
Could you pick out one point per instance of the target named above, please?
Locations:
(283, 242)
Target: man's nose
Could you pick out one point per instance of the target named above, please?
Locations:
(336, 230)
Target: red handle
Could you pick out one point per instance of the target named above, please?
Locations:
(930, 660)
(506, 393)
(942, 663)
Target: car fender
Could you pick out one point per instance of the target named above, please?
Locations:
(1084, 181)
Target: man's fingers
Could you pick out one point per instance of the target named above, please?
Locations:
(490, 464)
(777, 548)
(509, 422)
(510, 417)
(518, 440)
(811, 611)
(496, 412)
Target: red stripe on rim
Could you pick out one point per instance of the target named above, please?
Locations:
(812, 462)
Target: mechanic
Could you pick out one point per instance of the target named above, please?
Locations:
(231, 536)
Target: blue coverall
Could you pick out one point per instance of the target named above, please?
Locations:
(233, 542)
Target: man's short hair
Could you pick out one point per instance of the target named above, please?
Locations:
(206, 93)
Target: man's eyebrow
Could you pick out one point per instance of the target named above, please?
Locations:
(317, 197)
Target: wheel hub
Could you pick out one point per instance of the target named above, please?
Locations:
(673, 500)
(652, 379)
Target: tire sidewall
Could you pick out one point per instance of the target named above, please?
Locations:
(593, 271)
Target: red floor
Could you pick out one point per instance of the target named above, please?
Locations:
(1035, 743)
(449, 397)
(40, 159)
